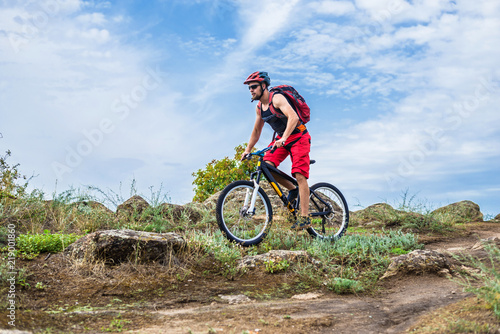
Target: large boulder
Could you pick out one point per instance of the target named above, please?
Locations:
(92, 206)
(211, 202)
(382, 214)
(134, 205)
(117, 246)
(459, 212)
(176, 212)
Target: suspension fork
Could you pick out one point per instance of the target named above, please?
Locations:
(251, 196)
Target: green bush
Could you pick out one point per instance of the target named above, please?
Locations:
(9, 178)
(219, 173)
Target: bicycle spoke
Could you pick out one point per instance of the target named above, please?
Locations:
(236, 220)
(328, 210)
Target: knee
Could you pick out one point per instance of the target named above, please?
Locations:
(270, 163)
(300, 178)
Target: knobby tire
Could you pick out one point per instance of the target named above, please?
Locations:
(238, 226)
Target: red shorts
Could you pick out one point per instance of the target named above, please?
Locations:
(299, 153)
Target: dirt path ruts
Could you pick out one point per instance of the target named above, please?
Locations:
(392, 313)
(399, 306)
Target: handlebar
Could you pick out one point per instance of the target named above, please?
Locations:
(260, 153)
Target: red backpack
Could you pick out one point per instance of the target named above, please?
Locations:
(294, 98)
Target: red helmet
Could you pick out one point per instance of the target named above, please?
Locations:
(259, 77)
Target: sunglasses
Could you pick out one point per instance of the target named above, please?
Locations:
(253, 87)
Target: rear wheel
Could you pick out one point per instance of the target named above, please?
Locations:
(328, 211)
(235, 222)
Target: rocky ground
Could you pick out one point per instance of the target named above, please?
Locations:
(70, 297)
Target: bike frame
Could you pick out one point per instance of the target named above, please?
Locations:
(266, 169)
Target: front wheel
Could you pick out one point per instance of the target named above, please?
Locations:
(328, 211)
(236, 221)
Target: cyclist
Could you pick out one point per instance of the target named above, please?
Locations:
(293, 139)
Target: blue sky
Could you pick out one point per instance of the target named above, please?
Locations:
(404, 94)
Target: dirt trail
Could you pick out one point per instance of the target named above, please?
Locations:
(403, 301)
(398, 309)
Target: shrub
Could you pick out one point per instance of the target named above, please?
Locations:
(9, 178)
(219, 173)
(44, 243)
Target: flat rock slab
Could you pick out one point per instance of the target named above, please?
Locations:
(307, 296)
(235, 299)
(276, 256)
(117, 246)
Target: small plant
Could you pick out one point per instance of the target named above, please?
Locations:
(40, 286)
(344, 285)
(117, 325)
(399, 251)
(274, 267)
(46, 242)
(22, 276)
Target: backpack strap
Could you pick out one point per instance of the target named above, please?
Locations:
(300, 127)
(271, 106)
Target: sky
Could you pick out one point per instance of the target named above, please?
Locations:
(132, 95)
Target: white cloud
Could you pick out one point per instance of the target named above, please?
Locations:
(262, 20)
(337, 8)
(100, 36)
(93, 18)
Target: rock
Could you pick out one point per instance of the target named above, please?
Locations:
(235, 299)
(135, 204)
(419, 262)
(92, 205)
(211, 202)
(386, 215)
(495, 240)
(178, 212)
(460, 212)
(116, 246)
(307, 296)
(259, 261)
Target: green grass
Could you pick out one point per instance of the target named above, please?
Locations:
(487, 274)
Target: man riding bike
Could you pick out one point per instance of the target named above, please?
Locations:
(292, 139)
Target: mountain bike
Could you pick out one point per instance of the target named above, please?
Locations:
(244, 211)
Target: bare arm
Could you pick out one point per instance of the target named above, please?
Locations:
(255, 135)
(280, 102)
